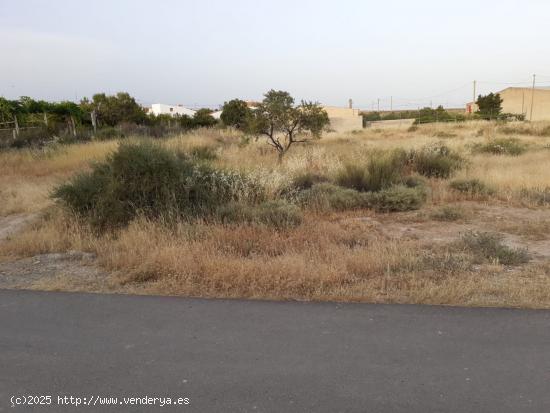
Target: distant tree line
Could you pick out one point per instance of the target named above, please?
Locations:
(26, 121)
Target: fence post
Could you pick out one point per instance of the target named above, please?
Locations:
(16, 125)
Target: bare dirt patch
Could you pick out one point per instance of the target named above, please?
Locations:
(73, 271)
(521, 227)
(13, 223)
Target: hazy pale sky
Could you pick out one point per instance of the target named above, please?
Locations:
(201, 53)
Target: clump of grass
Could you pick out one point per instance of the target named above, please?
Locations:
(471, 186)
(538, 196)
(448, 213)
(204, 153)
(501, 146)
(488, 246)
(277, 214)
(383, 169)
(436, 161)
(397, 198)
(445, 135)
(412, 128)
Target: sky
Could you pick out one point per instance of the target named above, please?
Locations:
(202, 53)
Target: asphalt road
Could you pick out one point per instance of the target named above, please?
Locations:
(251, 356)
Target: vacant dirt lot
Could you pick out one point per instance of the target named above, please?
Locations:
(488, 247)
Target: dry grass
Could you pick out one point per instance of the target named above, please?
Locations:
(328, 257)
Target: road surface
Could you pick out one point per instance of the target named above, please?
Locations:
(252, 356)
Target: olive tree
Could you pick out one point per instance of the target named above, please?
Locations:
(284, 124)
(235, 113)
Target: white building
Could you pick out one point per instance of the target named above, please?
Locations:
(162, 109)
(217, 114)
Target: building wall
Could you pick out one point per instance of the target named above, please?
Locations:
(162, 109)
(344, 119)
(391, 124)
(517, 100)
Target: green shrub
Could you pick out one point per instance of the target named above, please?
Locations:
(326, 197)
(306, 180)
(146, 179)
(397, 198)
(448, 213)
(38, 136)
(489, 246)
(107, 133)
(278, 214)
(471, 186)
(353, 176)
(437, 161)
(204, 153)
(501, 146)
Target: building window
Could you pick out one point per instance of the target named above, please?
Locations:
(171, 109)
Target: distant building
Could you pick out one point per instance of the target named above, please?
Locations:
(162, 109)
(344, 119)
(217, 114)
(517, 101)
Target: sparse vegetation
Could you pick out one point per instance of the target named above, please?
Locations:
(489, 246)
(471, 186)
(501, 146)
(267, 229)
(448, 213)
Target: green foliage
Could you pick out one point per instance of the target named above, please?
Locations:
(437, 161)
(306, 180)
(397, 198)
(489, 247)
(278, 214)
(107, 133)
(112, 110)
(203, 119)
(235, 113)
(37, 136)
(489, 106)
(283, 123)
(501, 146)
(383, 169)
(145, 179)
(471, 186)
(327, 197)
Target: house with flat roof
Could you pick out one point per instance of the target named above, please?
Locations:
(173, 110)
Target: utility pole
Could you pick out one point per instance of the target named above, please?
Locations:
(350, 103)
(532, 98)
(474, 101)
(391, 103)
(378, 105)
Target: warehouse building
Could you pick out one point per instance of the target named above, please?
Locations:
(518, 101)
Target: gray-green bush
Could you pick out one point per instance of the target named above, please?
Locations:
(488, 246)
(501, 146)
(146, 179)
(436, 161)
(471, 186)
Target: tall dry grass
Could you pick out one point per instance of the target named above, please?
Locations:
(327, 258)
